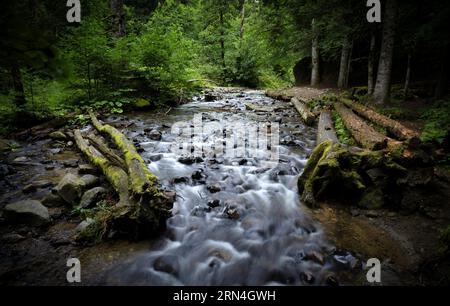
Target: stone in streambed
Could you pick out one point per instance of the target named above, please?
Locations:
(71, 188)
(90, 180)
(57, 135)
(52, 200)
(168, 264)
(154, 135)
(28, 211)
(92, 197)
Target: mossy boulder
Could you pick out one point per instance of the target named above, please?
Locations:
(141, 103)
(351, 175)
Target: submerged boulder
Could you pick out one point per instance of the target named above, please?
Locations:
(27, 211)
(71, 188)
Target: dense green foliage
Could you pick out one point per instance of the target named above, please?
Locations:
(169, 48)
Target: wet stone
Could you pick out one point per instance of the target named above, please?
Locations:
(214, 203)
(167, 264)
(213, 188)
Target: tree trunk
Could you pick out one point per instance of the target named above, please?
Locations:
(116, 176)
(304, 112)
(441, 85)
(19, 94)
(344, 64)
(395, 127)
(241, 30)
(325, 130)
(371, 65)
(407, 76)
(364, 134)
(382, 87)
(349, 65)
(222, 38)
(118, 18)
(315, 72)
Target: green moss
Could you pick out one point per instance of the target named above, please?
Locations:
(342, 133)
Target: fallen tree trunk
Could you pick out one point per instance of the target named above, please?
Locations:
(115, 175)
(143, 207)
(278, 95)
(107, 152)
(306, 115)
(325, 129)
(141, 179)
(364, 134)
(395, 127)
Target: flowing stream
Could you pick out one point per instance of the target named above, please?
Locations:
(236, 221)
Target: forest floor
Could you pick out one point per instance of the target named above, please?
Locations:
(407, 243)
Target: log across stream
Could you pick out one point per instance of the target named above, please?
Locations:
(236, 220)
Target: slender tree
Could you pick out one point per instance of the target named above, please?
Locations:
(383, 83)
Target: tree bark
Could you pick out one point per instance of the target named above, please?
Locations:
(141, 179)
(364, 134)
(395, 127)
(344, 64)
(118, 18)
(222, 38)
(441, 85)
(407, 76)
(325, 130)
(19, 94)
(315, 71)
(304, 112)
(371, 65)
(382, 87)
(117, 177)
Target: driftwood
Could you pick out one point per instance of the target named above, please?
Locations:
(395, 127)
(278, 95)
(143, 207)
(101, 146)
(304, 112)
(141, 179)
(116, 176)
(364, 134)
(325, 129)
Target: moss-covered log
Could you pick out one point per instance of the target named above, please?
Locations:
(141, 179)
(101, 146)
(325, 130)
(303, 110)
(336, 172)
(140, 212)
(117, 177)
(278, 95)
(364, 134)
(393, 126)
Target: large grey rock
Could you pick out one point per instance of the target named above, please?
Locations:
(52, 200)
(84, 224)
(154, 135)
(27, 211)
(71, 188)
(92, 197)
(58, 135)
(90, 180)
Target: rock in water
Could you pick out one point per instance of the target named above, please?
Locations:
(52, 200)
(92, 197)
(70, 188)
(28, 211)
(90, 180)
(155, 135)
(57, 135)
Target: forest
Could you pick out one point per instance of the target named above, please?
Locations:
(351, 94)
